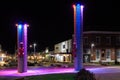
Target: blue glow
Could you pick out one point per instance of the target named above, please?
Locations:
(78, 5)
(19, 26)
(22, 37)
(20, 32)
(78, 38)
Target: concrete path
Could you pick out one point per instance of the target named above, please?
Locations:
(101, 73)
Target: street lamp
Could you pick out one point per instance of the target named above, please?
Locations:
(92, 45)
(34, 45)
(30, 48)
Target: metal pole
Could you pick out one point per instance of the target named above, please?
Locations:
(34, 47)
(34, 52)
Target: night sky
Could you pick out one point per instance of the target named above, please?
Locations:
(52, 21)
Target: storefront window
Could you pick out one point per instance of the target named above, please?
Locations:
(98, 53)
(108, 51)
(118, 53)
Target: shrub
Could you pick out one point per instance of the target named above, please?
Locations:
(84, 74)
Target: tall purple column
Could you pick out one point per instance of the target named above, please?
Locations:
(78, 37)
(22, 47)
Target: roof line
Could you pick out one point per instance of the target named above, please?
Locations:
(101, 32)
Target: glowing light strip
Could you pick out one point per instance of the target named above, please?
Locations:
(25, 46)
(78, 36)
(74, 24)
(82, 15)
(22, 37)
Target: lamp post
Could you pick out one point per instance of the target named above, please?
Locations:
(92, 45)
(34, 45)
(30, 49)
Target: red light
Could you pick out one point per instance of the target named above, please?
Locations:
(16, 24)
(74, 6)
(21, 50)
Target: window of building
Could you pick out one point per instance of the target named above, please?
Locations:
(86, 51)
(66, 50)
(64, 58)
(108, 53)
(118, 53)
(63, 46)
(103, 55)
(108, 40)
(56, 47)
(85, 41)
(97, 40)
(0, 58)
(97, 53)
(118, 40)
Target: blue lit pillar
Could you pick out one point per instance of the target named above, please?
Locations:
(78, 36)
(22, 47)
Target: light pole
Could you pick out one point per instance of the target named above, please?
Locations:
(92, 45)
(30, 48)
(34, 45)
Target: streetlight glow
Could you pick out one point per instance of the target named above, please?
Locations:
(30, 46)
(82, 6)
(34, 45)
(92, 45)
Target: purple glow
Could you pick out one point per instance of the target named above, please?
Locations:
(25, 26)
(25, 46)
(40, 71)
(82, 6)
(55, 70)
(22, 37)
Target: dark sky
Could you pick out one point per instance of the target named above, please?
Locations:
(51, 21)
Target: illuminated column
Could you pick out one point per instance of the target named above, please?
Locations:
(78, 37)
(22, 47)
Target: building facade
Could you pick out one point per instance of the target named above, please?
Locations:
(98, 46)
(101, 46)
(63, 47)
(62, 51)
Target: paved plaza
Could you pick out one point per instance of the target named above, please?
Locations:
(101, 73)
